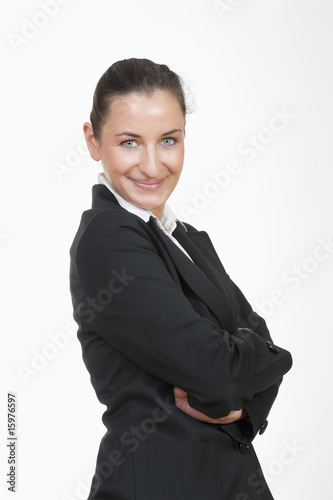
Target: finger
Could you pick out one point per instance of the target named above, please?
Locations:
(180, 393)
(232, 417)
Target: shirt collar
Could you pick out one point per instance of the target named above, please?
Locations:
(168, 221)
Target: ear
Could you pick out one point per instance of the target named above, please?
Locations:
(184, 128)
(92, 143)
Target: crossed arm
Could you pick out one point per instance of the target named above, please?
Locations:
(221, 371)
(254, 411)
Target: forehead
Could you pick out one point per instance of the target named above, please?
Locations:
(134, 107)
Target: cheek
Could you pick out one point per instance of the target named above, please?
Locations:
(178, 163)
(175, 159)
(119, 160)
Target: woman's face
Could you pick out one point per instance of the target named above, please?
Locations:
(141, 147)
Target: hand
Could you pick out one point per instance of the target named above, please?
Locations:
(181, 401)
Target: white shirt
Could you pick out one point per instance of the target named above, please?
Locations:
(168, 221)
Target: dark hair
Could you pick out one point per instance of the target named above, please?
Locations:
(133, 75)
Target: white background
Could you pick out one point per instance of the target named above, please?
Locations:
(268, 221)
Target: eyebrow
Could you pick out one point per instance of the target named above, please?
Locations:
(130, 134)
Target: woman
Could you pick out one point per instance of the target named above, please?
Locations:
(187, 370)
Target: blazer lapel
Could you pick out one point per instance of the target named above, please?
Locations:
(199, 247)
(203, 279)
(198, 275)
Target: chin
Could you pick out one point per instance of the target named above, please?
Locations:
(151, 204)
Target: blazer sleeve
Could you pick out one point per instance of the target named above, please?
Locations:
(122, 290)
(259, 406)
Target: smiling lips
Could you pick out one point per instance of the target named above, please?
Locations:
(148, 185)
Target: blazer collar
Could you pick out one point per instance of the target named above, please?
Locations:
(102, 196)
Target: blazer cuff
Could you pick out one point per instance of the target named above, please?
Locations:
(245, 430)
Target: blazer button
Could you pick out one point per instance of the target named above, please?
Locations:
(272, 347)
(244, 448)
(263, 427)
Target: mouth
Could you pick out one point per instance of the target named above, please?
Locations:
(148, 185)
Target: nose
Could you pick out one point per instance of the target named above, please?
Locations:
(150, 163)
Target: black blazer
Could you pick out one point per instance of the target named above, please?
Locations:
(151, 319)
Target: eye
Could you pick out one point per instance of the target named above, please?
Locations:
(128, 144)
(169, 141)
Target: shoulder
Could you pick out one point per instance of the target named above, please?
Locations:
(113, 218)
(103, 229)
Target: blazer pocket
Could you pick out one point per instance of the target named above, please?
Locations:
(177, 470)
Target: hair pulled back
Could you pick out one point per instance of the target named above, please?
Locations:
(133, 75)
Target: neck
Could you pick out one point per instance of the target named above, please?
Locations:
(158, 212)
